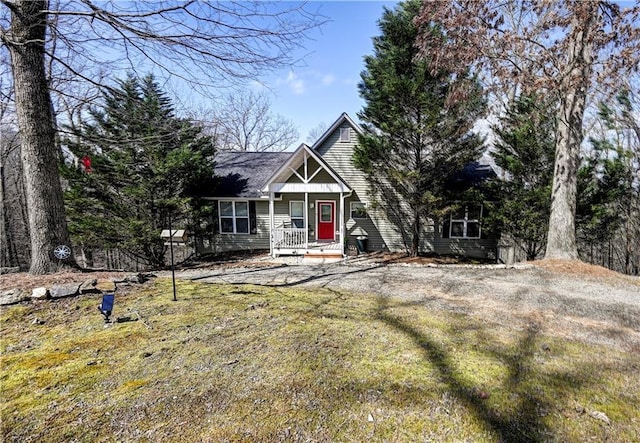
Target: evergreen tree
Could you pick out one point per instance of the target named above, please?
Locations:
(525, 151)
(609, 189)
(146, 165)
(415, 137)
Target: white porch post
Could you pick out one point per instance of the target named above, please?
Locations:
(342, 230)
(306, 208)
(272, 251)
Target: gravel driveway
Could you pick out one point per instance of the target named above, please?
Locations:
(599, 309)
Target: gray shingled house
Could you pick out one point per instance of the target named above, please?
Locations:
(314, 202)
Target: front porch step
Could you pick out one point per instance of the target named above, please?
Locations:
(317, 259)
(322, 255)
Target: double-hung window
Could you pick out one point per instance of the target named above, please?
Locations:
(234, 217)
(296, 212)
(358, 209)
(465, 222)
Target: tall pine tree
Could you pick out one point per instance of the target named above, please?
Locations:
(525, 151)
(415, 137)
(146, 166)
(608, 206)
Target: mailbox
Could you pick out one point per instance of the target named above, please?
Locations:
(179, 235)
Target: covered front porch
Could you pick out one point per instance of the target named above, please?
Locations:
(307, 223)
(306, 207)
(295, 241)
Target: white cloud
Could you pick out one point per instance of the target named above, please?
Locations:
(295, 84)
(328, 79)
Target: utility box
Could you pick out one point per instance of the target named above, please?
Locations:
(177, 235)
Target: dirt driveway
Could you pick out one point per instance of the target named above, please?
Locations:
(573, 300)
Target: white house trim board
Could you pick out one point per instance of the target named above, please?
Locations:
(302, 179)
(333, 217)
(308, 187)
(235, 199)
(314, 174)
(300, 158)
(271, 223)
(341, 221)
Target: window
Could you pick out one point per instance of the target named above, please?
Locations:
(234, 217)
(465, 222)
(326, 212)
(345, 134)
(296, 211)
(358, 210)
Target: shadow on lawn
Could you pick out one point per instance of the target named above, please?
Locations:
(327, 273)
(524, 423)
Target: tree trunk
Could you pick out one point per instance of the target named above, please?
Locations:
(561, 240)
(47, 222)
(87, 257)
(5, 255)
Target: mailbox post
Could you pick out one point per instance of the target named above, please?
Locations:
(172, 235)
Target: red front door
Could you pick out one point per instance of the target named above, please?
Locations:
(326, 221)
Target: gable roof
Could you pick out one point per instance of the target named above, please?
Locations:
(344, 117)
(243, 174)
(297, 159)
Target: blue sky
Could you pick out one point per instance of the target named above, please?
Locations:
(326, 83)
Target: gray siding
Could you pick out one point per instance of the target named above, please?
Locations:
(383, 235)
(241, 242)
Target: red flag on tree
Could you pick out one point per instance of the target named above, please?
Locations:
(86, 163)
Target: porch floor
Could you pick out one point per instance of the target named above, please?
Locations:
(313, 249)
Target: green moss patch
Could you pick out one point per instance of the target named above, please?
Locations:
(252, 363)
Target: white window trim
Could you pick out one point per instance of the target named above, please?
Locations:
(351, 210)
(464, 222)
(333, 216)
(234, 217)
(304, 213)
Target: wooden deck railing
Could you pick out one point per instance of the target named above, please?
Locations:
(289, 238)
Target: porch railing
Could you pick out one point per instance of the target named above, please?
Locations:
(289, 238)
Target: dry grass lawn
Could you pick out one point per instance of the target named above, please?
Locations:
(252, 363)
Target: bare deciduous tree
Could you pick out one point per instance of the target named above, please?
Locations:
(205, 43)
(244, 122)
(566, 49)
(316, 132)
(14, 240)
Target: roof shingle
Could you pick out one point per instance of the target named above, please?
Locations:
(243, 174)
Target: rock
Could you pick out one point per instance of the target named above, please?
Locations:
(370, 418)
(68, 290)
(40, 294)
(600, 416)
(143, 278)
(89, 286)
(105, 285)
(12, 296)
(37, 321)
